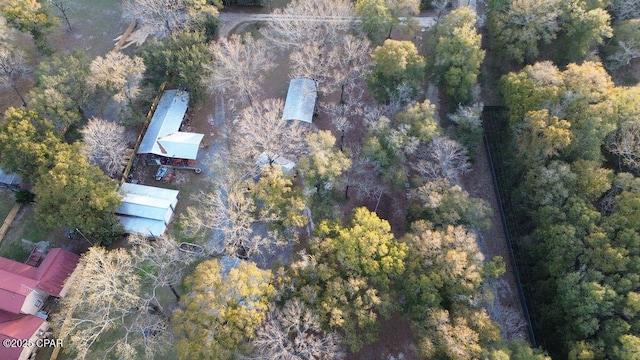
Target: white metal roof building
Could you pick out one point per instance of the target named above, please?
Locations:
(163, 137)
(301, 100)
(146, 210)
(286, 164)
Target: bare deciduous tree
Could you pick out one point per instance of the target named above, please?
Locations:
(13, 68)
(116, 295)
(260, 130)
(6, 32)
(443, 158)
(294, 333)
(350, 60)
(304, 22)
(105, 145)
(625, 9)
(229, 213)
(364, 177)
(161, 18)
(238, 66)
(625, 143)
(118, 74)
(624, 46)
(311, 61)
(160, 262)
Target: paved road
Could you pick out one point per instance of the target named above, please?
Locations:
(228, 21)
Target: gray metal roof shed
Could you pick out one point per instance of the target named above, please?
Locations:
(145, 209)
(301, 100)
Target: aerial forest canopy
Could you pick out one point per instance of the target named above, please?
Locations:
(320, 238)
(577, 182)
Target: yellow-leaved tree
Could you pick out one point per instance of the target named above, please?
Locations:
(224, 308)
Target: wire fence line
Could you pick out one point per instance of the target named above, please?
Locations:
(493, 123)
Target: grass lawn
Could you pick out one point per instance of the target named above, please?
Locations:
(95, 24)
(26, 227)
(6, 202)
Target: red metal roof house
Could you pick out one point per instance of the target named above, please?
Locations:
(23, 291)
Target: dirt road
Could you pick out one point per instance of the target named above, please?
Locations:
(228, 20)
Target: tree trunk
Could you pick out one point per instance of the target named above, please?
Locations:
(63, 10)
(155, 310)
(175, 293)
(66, 19)
(24, 103)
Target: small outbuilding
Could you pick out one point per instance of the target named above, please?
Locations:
(301, 100)
(285, 164)
(146, 210)
(163, 136)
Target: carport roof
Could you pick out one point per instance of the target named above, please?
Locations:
(301, 100)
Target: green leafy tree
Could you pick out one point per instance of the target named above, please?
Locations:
(74, 193)
(367, 247)
(515, 349)
(458, 55)
(583, 93)
(375, 16)
(584, 301)
(324, 166)
(386, 147)
(629, 347)
(395, 64)
(443, 266)
(443, 205)
(519, 27)
(27, 144)
(179, 60)
(549, 184)
(62, 93)
(443, 279)
(365, 257)
(540, 136)
(585, 24)
(380, 16)
(222, 311)
(31, 17)
(532, 88)
(418, 121)
(348, 305)
(591, 180)
(279, 199)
